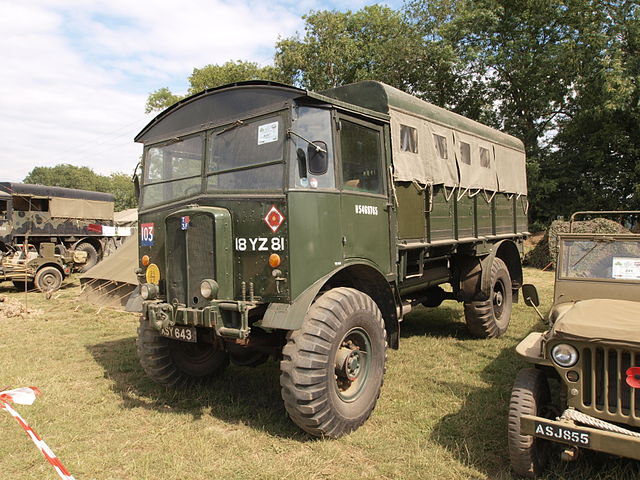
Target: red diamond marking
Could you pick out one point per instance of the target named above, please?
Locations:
(274, 219)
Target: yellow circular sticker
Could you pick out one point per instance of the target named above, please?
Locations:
(153, 274)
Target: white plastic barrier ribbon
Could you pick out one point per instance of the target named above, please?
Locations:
(26, 396)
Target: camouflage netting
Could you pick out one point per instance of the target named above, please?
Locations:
(546, 251)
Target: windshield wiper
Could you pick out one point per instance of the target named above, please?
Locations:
(317, 147)
(237, 123)
(598, 241)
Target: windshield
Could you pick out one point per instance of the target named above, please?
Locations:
(172, 170)
(602, 258)
(247, 155)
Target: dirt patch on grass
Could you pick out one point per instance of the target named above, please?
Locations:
(10, 307)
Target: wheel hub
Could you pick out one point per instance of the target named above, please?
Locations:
(348, 363)
(498, 299)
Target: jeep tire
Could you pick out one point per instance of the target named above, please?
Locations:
(48, 279)
(530, 396)
(333, 366)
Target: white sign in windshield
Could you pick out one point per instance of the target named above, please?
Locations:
(268, 133)
(626, 268)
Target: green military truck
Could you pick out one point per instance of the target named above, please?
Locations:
(71, 219)
(591, 350)
(278, 221)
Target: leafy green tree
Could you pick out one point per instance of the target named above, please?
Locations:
(71, 176)
(596, 160)
(345, 47)
(161, 99)
(211, 76)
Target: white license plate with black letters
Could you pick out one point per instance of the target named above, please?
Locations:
(186, 334)
(562, 434)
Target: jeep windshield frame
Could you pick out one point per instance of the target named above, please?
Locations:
(601, 257)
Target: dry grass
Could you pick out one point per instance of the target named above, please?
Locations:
(441, 414)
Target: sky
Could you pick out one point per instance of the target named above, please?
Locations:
(75, 74)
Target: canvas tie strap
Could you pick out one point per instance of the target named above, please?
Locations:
(26, 396)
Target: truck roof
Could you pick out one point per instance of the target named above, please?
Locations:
(28, 189)
(380, 97)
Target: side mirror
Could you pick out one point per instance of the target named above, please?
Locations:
(318, 160)
(530, 294)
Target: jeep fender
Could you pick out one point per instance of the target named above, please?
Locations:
(363, 276)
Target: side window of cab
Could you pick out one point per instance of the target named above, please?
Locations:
(361, 155)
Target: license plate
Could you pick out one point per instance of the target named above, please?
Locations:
(562, 434)
(186, 334)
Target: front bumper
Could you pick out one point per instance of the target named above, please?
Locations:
(599, 440)
(229, 318)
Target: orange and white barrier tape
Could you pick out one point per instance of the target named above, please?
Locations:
(26, 396)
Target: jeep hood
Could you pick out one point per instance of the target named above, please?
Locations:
(600, 320)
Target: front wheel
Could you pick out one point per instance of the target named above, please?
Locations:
(490, 318)
(48, 279)
(333, 366)
(176, 363)
(530, 396)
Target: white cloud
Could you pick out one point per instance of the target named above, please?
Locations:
(76, 73)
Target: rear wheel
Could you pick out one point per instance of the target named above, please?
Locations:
(490, 318)
(92, 255)
(530, 396)
(333, 366)
(176, 363)
(48, 279)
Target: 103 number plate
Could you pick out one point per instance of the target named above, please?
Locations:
(185, 334)
(562, 434)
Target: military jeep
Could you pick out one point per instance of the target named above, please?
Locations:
(591, 351)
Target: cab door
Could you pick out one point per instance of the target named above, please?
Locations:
(363, 199)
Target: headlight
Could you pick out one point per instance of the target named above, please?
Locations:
(148, 291)
(208, 289)
(564, 355)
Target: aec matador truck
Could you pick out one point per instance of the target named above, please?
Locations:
(275, 220)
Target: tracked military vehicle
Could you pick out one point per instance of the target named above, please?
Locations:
(278, 221)
(591, 351)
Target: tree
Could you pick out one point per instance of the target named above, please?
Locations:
(346, 47)
(211, 76)
(71, 176)
(596, 161)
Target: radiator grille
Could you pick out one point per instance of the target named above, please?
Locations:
(604, 388)
(190, 257)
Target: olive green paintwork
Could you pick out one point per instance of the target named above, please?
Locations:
(596, 386)
(325, 231)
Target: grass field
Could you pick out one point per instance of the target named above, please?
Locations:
(442, 413)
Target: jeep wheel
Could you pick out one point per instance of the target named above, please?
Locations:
(92, 256)
(333, 366)
(48, 279)
(175, 363)
(490, 318)
(530, 396)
